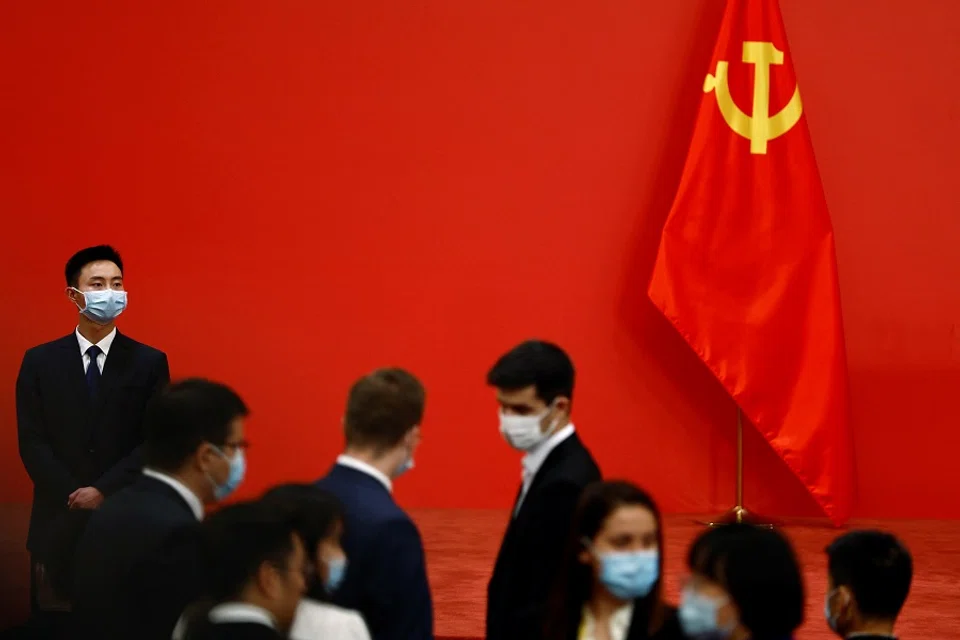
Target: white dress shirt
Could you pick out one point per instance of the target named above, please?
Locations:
(619, 623)
(104, 345)
(192, 500)
(537, 456)
(370, 470)
(321, 620)
(241, 612)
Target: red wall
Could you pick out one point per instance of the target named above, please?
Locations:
(307, 190)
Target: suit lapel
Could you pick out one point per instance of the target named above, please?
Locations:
(115, 368)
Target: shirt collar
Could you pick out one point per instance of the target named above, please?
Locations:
(188, 496)
(349, 461)
(241, 612)
(538, 455)
(104, 343)
(619, 622)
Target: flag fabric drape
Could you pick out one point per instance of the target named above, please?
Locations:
(746, 269)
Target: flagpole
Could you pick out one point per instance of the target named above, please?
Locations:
(739, 514)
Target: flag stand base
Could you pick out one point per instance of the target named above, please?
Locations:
(739, 515)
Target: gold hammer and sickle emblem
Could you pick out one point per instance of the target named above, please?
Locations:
(759, 127)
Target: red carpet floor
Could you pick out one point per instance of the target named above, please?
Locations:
(461, 546)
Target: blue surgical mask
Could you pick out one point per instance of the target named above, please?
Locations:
(238, 469)
(103, 306)
(405, 466)
(336, 571)
(831, 619)
(699, 616)
(629, 574)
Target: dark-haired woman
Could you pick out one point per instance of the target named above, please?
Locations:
(745, 583)
(610, 583)
(320, 524)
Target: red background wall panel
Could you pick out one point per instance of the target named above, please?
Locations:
(305, 191)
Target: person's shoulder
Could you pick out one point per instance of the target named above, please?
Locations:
(579, 465)
(321, 620)
(45, 348)
(141, 347)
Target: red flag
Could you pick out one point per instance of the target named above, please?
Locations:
(746, 270)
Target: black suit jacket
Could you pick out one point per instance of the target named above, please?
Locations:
(534, 542)
(138, 564)
(68, 441)
(386, 578)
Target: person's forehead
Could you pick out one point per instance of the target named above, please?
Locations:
(633, 518)
(100, 269)
(526, 395)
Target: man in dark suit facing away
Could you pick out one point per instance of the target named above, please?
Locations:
(386, 578)
(534, 385)
(139, 562)
(80, 404)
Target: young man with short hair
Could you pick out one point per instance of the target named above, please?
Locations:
(137, 563)
(869, 575)
(80, 404)
(257, 565)
(386, 579)
(534, 388)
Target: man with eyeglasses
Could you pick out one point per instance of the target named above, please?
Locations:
(139, 562)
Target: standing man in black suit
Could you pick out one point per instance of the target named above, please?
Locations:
(534, 385)
(80, 404)
(386, 579)
(139, 561)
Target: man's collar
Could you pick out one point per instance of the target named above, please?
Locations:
(192, 500)
(538, 455)
(104, 343)
(364, 467)
(243, 613)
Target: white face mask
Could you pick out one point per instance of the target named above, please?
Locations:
(523, 432)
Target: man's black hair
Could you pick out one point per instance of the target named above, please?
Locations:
(85, 256)
(535, 362)
(185, 415)
(876, 567)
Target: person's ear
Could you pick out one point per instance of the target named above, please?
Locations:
(844, 604)
(205, 456)
(412, 439)
(75, 297)
(561, 405)
(268, 580)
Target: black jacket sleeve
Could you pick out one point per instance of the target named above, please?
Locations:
(47, 472)
(123, 472)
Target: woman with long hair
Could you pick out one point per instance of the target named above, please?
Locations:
(745, 584)
(609, 586)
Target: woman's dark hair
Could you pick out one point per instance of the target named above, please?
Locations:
(236, 541)
(758, 568)
(315, 513)
(575, 580)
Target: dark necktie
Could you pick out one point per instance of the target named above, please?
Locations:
(93, 370)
